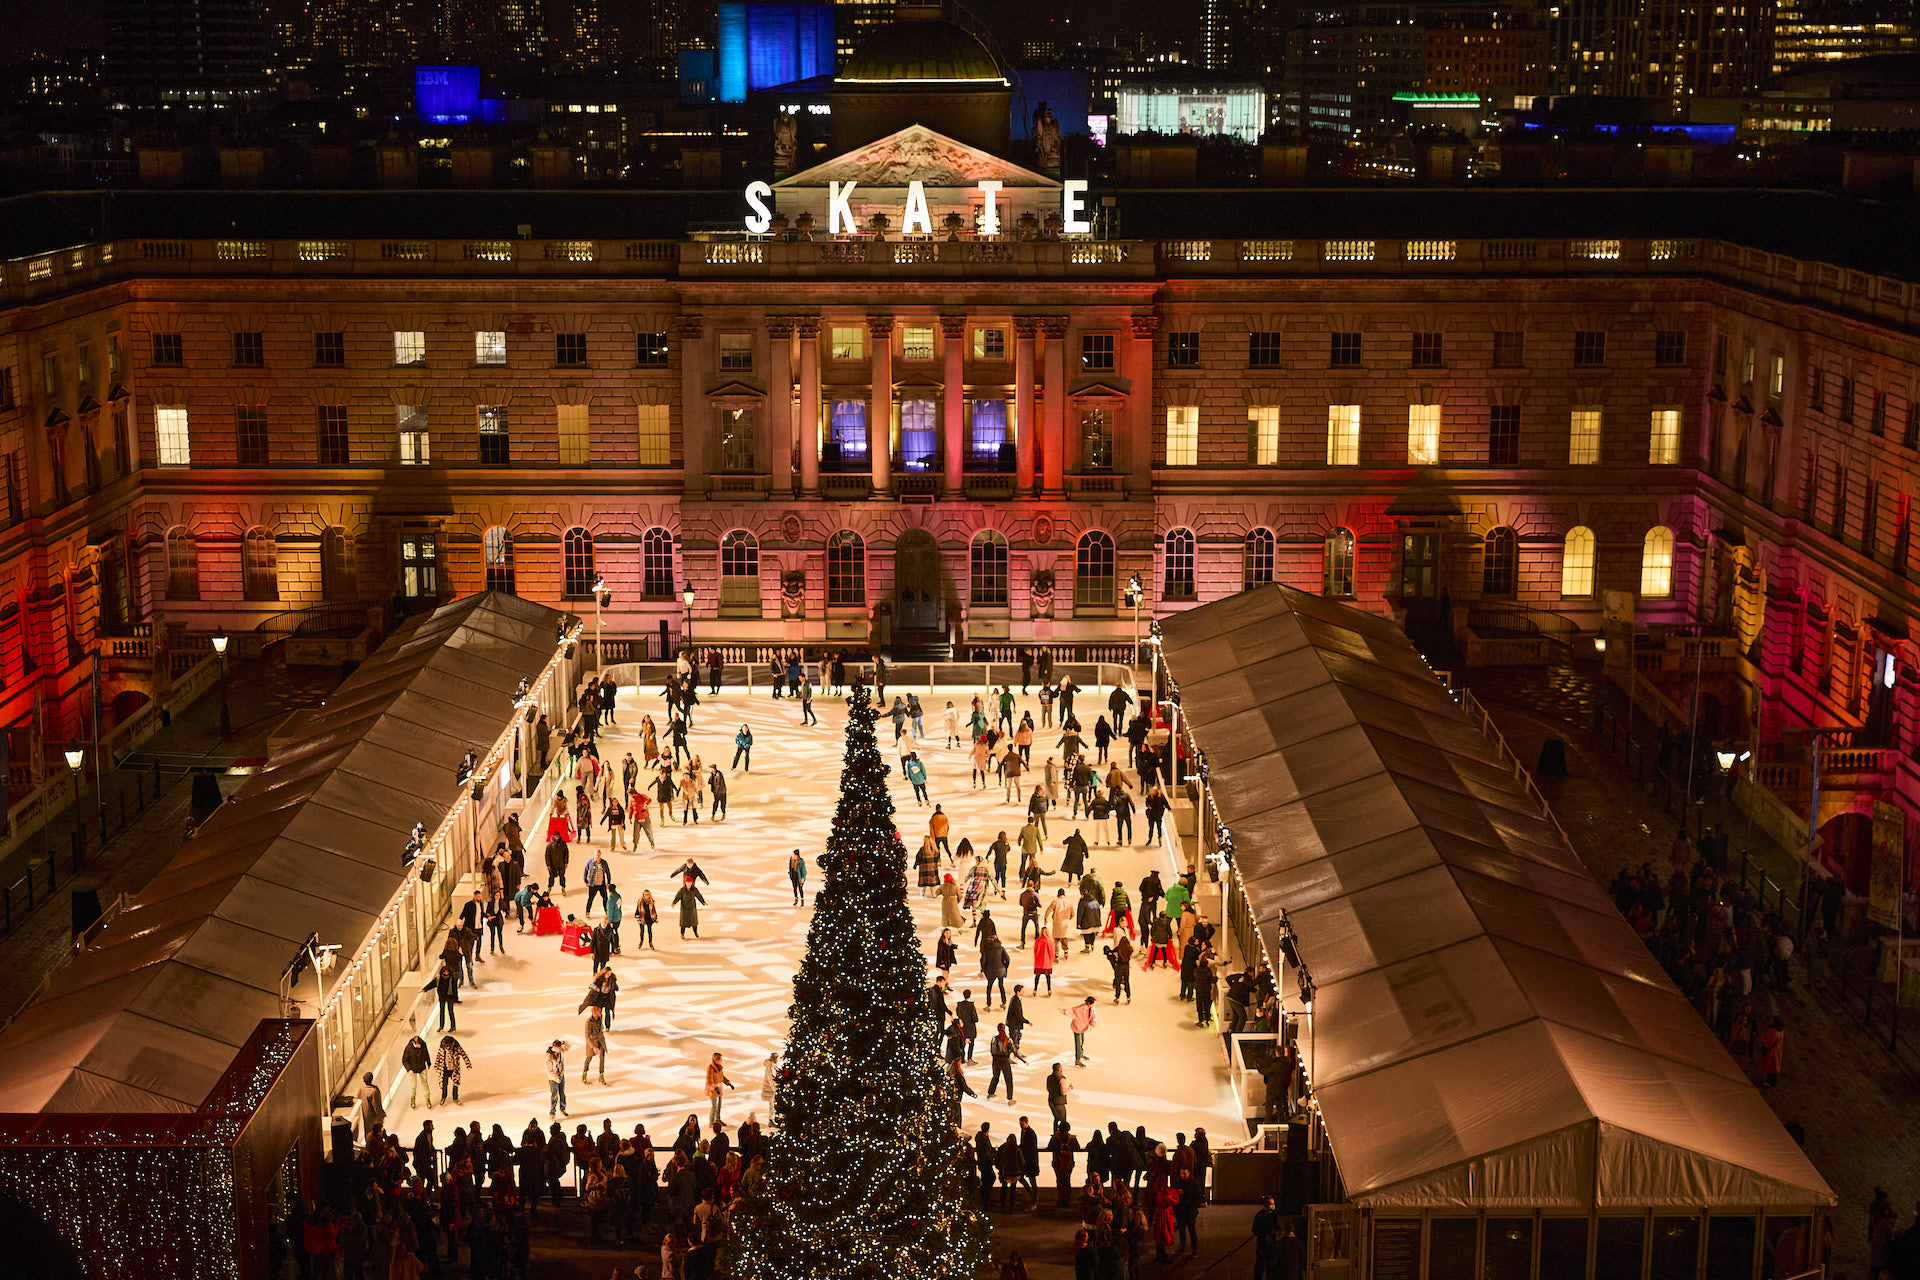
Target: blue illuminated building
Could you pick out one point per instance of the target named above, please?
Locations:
(764, 45)
(447, 94)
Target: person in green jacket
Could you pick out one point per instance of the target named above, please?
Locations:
(1120, 910)
(1177, 895)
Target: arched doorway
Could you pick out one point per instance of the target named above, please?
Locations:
(919, 586)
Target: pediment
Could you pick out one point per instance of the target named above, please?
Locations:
(917, 152)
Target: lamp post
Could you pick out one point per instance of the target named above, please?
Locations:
(75, 755)
(220, 651)
(601, 596)
(1134, 595)
(686, 598)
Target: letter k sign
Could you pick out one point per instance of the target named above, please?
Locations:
(839, 211)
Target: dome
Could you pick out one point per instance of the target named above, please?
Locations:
(913, 48)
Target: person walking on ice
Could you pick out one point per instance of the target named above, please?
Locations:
(716, 1078)
(1081, 1017)
(689, 900)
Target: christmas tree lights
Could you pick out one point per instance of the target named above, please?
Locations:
(866, 1175)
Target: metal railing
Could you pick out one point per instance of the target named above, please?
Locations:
(26, 893)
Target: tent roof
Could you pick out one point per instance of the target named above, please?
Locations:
(151, 1016)
(1487, 1032)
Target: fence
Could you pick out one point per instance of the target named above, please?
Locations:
(665, 646)
(42, 879)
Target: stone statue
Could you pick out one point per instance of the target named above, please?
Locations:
(1046, 139)
(786, 142)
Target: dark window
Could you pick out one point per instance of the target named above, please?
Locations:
(1263, 350)
(1846, 400)
(168, 349)
(988, 585)
(498, 548)
(1670, 347)
(1877, 420)
(1499, 572)
(576, 562)
(1503, 435)
(330, 349)
(250, 437)
(1816, 398)
(249, 350)
(6, 389)
(1345, 350)
(333, 447)
(496, 443)
(1096, 352)
(1589, 348)
(1509, 349)
(1256, 559)
(570, 348)
(1183, 350)
(846, 569)
(651, 351)
(1428, 350)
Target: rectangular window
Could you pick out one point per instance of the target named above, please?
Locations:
(1096, 439)
(847, 342)
(6, 389)
(1589, 348)
(986, 434)
(570, 349)
(1776, 375)
(1846, 400)
(916, 342)
(1263, 350)
(1183, 350)
(249, 350)
(919, 434)
(330, 427)
(329, 350)
(490, 346)
(1817, 398)
(1583, 438)
(1509, 348)
(650, 350)
(1428, 350)
(116, 362)
(847, 428)
(1343, 435)
(1746, 366)
(736, 353)
(1096, 353)
(736, 440)
(989, 344)
(656, 436)
(1503, 435)
(50, 378)
(1263, 435)
(250, 437)
(170, 435)
(576, 445)
(409, 346)
(1344, 350)
(168, 350)
(1670, 347)
(1423, 435)
(1663, 443)
(1183, 435)
(420, 567)
(496, 439)
(410, 420)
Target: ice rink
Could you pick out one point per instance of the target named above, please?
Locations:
(729, 989)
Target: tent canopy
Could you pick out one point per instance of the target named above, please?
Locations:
(151, 1016)
(1487, 1031)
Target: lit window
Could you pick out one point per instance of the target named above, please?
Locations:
(1343, 435)
(656, 436)
(1177, 561)
(849, 342)
(420, 567)
(989, 344)
(496, 446)
(1256, 559)
(1656, 564)
(846, 569)
(497, 550)
(1423, 435)
(1336, 567)
(916, 342)
(986, 434)
(411, 422)
(656, 564)
(575, 445)
(490, 346)
(736, 353)
(576, 562)
(1263, 435)
(1583, 439)
(1576, 562)
(1776, 376)
(170, 431)
(919, 435)
(1183, 435)
(847, 433)
(1663, 443)
(989, 570)
(1746, 366)
(409, 346)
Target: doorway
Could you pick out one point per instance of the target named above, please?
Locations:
(918, 586)
(1419, 571)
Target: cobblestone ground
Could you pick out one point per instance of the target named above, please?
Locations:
(1859, 1105)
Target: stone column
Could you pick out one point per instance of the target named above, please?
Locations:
(1023, 330)
(1054, 454)
(696, 415)
(808, 328)
(953, 426)
(1134, 432)
(779, 433)
(880, 412)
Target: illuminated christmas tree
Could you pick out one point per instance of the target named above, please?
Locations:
(866, 1175)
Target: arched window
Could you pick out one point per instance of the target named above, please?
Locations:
(1336, 569)
(259, 563)
(1093, 571)
(183, 565)
(337, 577)
(656, 564)
(1177, 564)
(497, 545)
(1656, 564)
(989, 569)
(846, 569)
(740, 572)
(1500, 569)
(1576, 562)
(576, 562)
(1256, 559)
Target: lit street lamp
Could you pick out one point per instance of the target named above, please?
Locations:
(686, 598)
(220, 651)
(601, 597)
(1135, 594)
(74, 756)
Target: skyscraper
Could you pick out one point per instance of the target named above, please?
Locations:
(200, 53)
